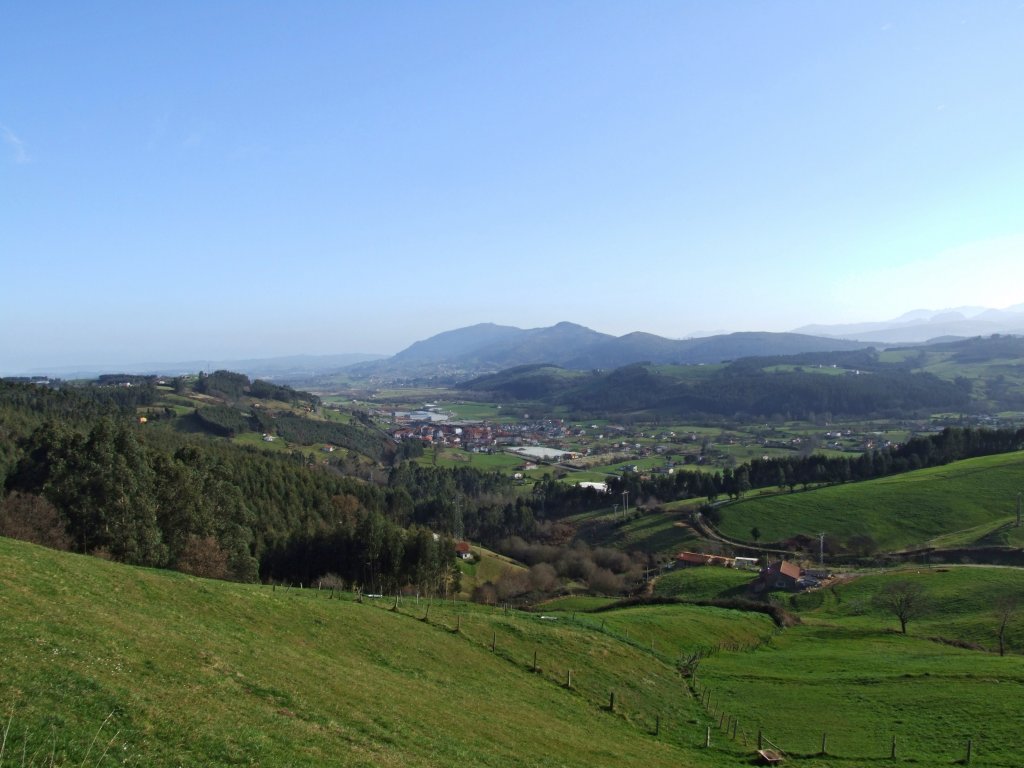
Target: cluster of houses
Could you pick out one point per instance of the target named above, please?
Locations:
(477, 436)
(777, 575)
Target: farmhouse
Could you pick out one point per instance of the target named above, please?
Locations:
(462, 550)
(779, 575)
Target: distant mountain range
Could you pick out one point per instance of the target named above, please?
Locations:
(289, 367)
(924, 325)
(489, 347)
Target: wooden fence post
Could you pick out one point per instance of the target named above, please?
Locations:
(967, 760)
(707, 738)
(611, 701)
(494, 640)
(657, 725)
(824, 743)
(568, 678)
(892, 753)
(760, 739)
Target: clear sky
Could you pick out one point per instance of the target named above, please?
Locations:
(194, 180)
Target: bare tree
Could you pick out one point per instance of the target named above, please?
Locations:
(1006, 608)
(905, 600)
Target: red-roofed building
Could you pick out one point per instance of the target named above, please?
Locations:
(687, 559)
(779, 575)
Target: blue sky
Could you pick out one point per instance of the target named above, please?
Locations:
(197, 180)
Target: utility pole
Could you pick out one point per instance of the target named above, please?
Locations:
(625, 503)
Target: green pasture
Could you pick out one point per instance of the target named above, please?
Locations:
(333, 414)
(900, 511)
(575, 603)
(825, 370)
(962, 603)
(457, 457)
(859, 688)
(157, 668)
(488, 566)
(847, 673)
(255, 440)
(474, 411)
(106, 664)
(658, 531)
(169, 398)
(688, 372)
(704, 583)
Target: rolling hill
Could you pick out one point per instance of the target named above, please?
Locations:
(975, 496)
(488, 347)
(159, 669)
(110, 664)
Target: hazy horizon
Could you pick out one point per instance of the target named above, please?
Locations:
(208, 363)
(228, 181)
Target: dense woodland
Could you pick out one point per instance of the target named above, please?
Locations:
(162, 498)
(743, 390)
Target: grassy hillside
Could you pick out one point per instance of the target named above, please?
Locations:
(905, 510)
(848, 673)
(105, 664)
(486, 566)
(174, 670)
(962, 603)
(659, 531)
(704, 583)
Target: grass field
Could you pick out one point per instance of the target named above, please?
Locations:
(660, 531)
(703, 583)
(904, 510)
(205, 673)
(846, 672)
(172, 670)
(456, 457)
(487, 566)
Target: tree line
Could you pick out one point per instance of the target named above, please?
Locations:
(788, 472)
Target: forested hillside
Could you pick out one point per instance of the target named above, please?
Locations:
(80, 472)
(965, 375)
(743, 391)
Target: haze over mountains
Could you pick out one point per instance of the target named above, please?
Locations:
(923, 325)
(489, 347)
